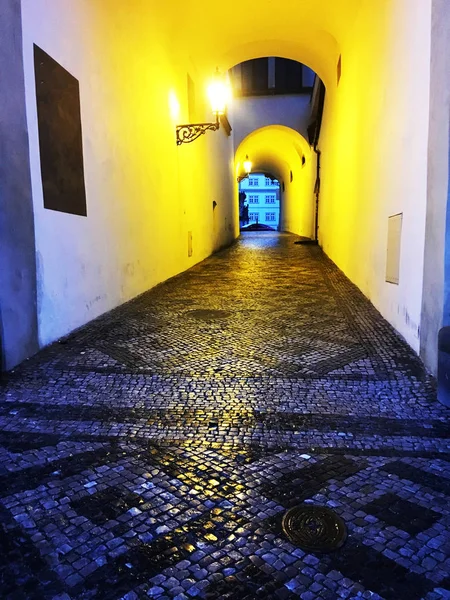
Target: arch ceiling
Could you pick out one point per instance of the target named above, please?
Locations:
(273, 149)
(223, 35)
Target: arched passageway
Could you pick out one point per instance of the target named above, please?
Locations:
(137, 81)
(154, 452)
(286, 154)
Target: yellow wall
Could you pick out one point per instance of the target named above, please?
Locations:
(143, 192)
(374, 149)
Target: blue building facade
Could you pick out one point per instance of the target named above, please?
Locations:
(262, 200)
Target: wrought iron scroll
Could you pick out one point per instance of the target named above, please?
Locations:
(190, 132)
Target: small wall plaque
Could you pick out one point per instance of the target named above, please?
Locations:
(393, 248)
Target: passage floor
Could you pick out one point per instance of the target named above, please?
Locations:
(154, 452)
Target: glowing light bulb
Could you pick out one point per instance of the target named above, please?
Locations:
(247, 165)
(219, 95)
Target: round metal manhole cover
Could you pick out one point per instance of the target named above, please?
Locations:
(314, 528)
(208, 314)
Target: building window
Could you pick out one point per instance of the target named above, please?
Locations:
(268, 181)
(271, 216)
(291, 77)
(270, 199)
(286, 77)
(253, 181)
(255, 76)
(253, 216)
(308, 78)
(253, 199)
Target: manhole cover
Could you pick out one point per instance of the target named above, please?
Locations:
(314, 528)
(208, 314)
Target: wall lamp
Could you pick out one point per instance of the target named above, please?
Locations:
(247, 169)
(219, 95)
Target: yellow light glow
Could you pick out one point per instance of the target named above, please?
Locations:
(219, 95)
(174, 106)
(247, 165)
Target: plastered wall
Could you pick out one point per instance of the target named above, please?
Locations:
(298, 207)
(374, 155)
(252, 113)
(144, 194)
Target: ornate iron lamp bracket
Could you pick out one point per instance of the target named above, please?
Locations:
(190, 132)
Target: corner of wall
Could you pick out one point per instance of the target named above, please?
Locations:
(18, 321)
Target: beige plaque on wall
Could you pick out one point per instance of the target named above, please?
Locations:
(393, 248)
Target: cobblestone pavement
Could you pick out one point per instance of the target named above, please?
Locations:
(154, 452)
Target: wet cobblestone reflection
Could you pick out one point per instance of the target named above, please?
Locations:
(153, 453)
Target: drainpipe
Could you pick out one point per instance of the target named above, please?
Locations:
(317, 193)
(315, 241)
(315, 140)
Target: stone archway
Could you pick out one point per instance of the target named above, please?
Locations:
(285, 153)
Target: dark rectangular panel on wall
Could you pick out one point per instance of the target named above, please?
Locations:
(60, 138)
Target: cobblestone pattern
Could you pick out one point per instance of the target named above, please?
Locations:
(154, 452)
